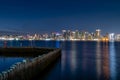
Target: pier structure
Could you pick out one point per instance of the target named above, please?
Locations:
(29, 68)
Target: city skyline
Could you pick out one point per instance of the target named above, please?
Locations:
(59, 39)
(73, 35)
(50, 15)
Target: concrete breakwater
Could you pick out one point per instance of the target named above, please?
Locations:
(29, 68)
(32, 52)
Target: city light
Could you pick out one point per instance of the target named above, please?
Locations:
(77, 35)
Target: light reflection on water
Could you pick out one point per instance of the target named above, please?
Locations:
(82, 60)
(88, 61)
(112, 61)
(73, 57)
(6, 62)
(98, 61)
(105, 62)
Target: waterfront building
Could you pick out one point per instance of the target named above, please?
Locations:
(83, 35)
(64, 33)
(98, 34)
(89, 37)
(53, 35)
(117, 37)
(111, 37)
(76, 34)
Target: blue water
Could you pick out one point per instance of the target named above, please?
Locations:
(6, 62)
(79, 60)
(86, 61)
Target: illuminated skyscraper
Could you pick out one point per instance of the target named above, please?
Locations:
(117, 37)
(64, 32)
(68, 34)
(111, 36)
(53, 35)
(98, 33)
(76, 34)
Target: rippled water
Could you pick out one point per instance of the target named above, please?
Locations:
(79, 60)
(6, 62)
(86, 61)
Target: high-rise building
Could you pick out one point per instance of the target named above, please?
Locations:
(117, 37)
(83, 35)
(73, 35)
(53, 35)
(98, 33)
(64, 34)
(111, 36)
(68, 34)
(76, 34)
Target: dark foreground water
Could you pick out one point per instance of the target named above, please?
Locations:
(6, 62)
(80, 60)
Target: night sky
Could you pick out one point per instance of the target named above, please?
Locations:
(42, 16)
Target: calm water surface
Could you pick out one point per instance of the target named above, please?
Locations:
(86, 61)
(6, 62)
(79, 60)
